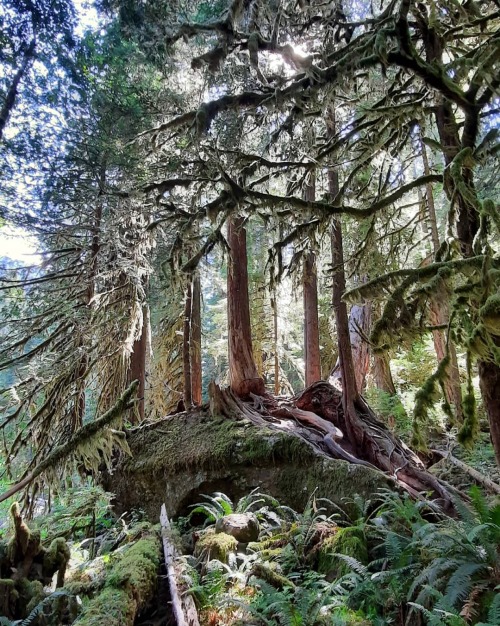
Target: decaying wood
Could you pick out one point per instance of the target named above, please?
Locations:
(483, 480)
(183, 606)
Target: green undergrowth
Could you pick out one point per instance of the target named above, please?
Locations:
(387, 561)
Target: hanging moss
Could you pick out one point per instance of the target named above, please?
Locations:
(490, 314)
(212, 545)
(425, 398)
(470, 427)
(350, 541)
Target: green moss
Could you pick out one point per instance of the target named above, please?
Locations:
(112, 607)
(212, 545)
(189, 442)
(33, 593)
(129, 586)
(490, 314)
(349, 541)
(277, 580)
(55, 559)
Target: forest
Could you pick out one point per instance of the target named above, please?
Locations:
(250, 312)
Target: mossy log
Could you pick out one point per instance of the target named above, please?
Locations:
(130, 585)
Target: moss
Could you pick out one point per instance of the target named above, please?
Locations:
(129, 586)
(326, 478)
(277, 580)
(212, 545)
(56, 559)
(350, 541)
(112, 607)
(194, 443)
(32, 593)
(137, 568)
(490, 314)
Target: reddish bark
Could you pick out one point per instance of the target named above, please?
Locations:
(186, 347)
(196, 369)
(312, 358)
(311, 321)
(489, 380)
(137, 368)
(243, 375)
(277, 388)
(359, 327)
(382, 373)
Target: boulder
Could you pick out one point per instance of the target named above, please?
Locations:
(244, 527)
(178, 458)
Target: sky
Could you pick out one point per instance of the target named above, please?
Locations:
(15, 242)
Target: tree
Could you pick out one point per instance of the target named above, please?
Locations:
(243, 375)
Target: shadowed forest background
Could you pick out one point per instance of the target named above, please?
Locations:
(263, 237)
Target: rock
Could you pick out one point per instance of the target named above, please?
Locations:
(244, 527)
(176, 459)
(215, 545)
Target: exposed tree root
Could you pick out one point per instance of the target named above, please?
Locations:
(317, 415)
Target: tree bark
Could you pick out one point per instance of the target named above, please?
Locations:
(382, 373)
(312, 359)
(274, 306)
(311, 320)
(350, 392)
(137, 369)
(10, 99)
(489, 381)
(186, 346)
(243, 375)
(196, 368)
(360, 319)
(439, 312)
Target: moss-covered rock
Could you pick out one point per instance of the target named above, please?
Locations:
(176, 459)
(214, 545)
(350, 541)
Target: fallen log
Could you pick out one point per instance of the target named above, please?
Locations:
(183, 606)
(481, 479)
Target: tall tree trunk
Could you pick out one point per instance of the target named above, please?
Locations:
(360, 319)
(382, 373)
(243, 375)
(439, 312)
(467, 220)
(349, 388)
(359, 324)
(196, 369)
(312, 358)
(274, 306)
(10, 99)
(137, 368)
(186, 346)
(311, 320)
